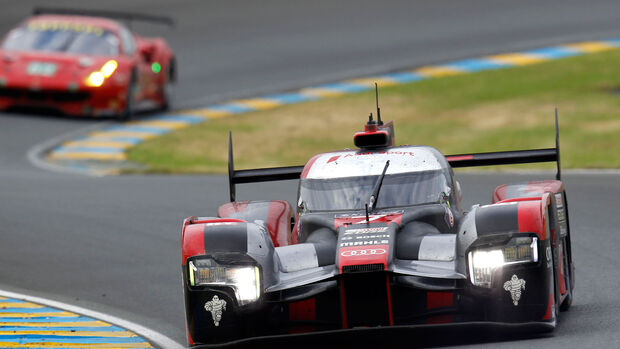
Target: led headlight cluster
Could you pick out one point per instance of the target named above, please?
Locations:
(244, 280)
(482, 262)
(97, 78)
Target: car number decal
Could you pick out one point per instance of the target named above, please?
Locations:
(41, 69)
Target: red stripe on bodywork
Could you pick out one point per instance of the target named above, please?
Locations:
(499, 193)
(309, 164)
(302, 311)
(534, 198)
(530, 219)
(549, 307)
(190, 341)
(193, 242)
(333, 158)
(279, 222)
(540, 187)
(386, 218)
(436, 300)
(218, 221)
(460, 158)
(295, 232)
(439, 300)
(389, 298)
(232, 207)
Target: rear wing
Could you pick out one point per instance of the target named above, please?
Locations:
(125, 16)
(461, 160)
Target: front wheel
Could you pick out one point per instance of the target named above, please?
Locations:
(171, 77)
(127, 112)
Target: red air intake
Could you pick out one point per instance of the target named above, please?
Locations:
(375, 136)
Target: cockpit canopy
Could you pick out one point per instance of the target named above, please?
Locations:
(345, 180)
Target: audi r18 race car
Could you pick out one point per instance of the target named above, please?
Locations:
(84, 62)
(378, 239)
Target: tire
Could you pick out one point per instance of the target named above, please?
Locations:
(127, 113)
(171, 77)
(568, 300)
(569, 270)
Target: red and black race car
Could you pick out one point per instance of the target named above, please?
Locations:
(379, 240)
(84, 62)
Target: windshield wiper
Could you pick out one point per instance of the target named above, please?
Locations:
(375, 193)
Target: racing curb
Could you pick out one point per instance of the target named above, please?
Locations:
(104, 151)
(35, 322)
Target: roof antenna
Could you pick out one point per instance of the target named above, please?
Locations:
(379, 122)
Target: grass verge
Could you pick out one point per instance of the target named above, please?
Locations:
(505, 109)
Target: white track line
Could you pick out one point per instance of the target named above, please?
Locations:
(152, 336)
(36, 153)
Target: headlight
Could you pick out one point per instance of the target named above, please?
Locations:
(483, 262)
(244, 280)
(97, 78)
(108, 68)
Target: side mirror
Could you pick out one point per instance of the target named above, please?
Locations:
(444, 196)
(301, 205)
(147, 52)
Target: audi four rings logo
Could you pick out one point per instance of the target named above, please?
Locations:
(366, 252)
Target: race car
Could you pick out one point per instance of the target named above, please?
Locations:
(85, 63)
(378, 239)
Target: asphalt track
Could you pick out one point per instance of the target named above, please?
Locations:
(112, 243)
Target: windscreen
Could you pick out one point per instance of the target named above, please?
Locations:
(352, 193)
(63, 37)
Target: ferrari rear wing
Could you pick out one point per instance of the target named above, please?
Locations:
(460, 160)
(125, 16)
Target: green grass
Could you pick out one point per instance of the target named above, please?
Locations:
(504, 109)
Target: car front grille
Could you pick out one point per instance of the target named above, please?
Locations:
(44, 95)
(363, 268)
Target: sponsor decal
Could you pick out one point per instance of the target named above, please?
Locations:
(514, 286)
(361, 255)
(372, 230)
(364, 252)
(333, 158)
(389, 152)
(65, 26)
(216, 307)
(364, 236)
(558, 200)
(381, 217)
(41, 69)
(364, 243)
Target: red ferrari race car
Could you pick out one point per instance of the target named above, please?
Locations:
(85, 63)
(379, 242)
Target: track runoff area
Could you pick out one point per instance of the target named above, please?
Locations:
(103, 152)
